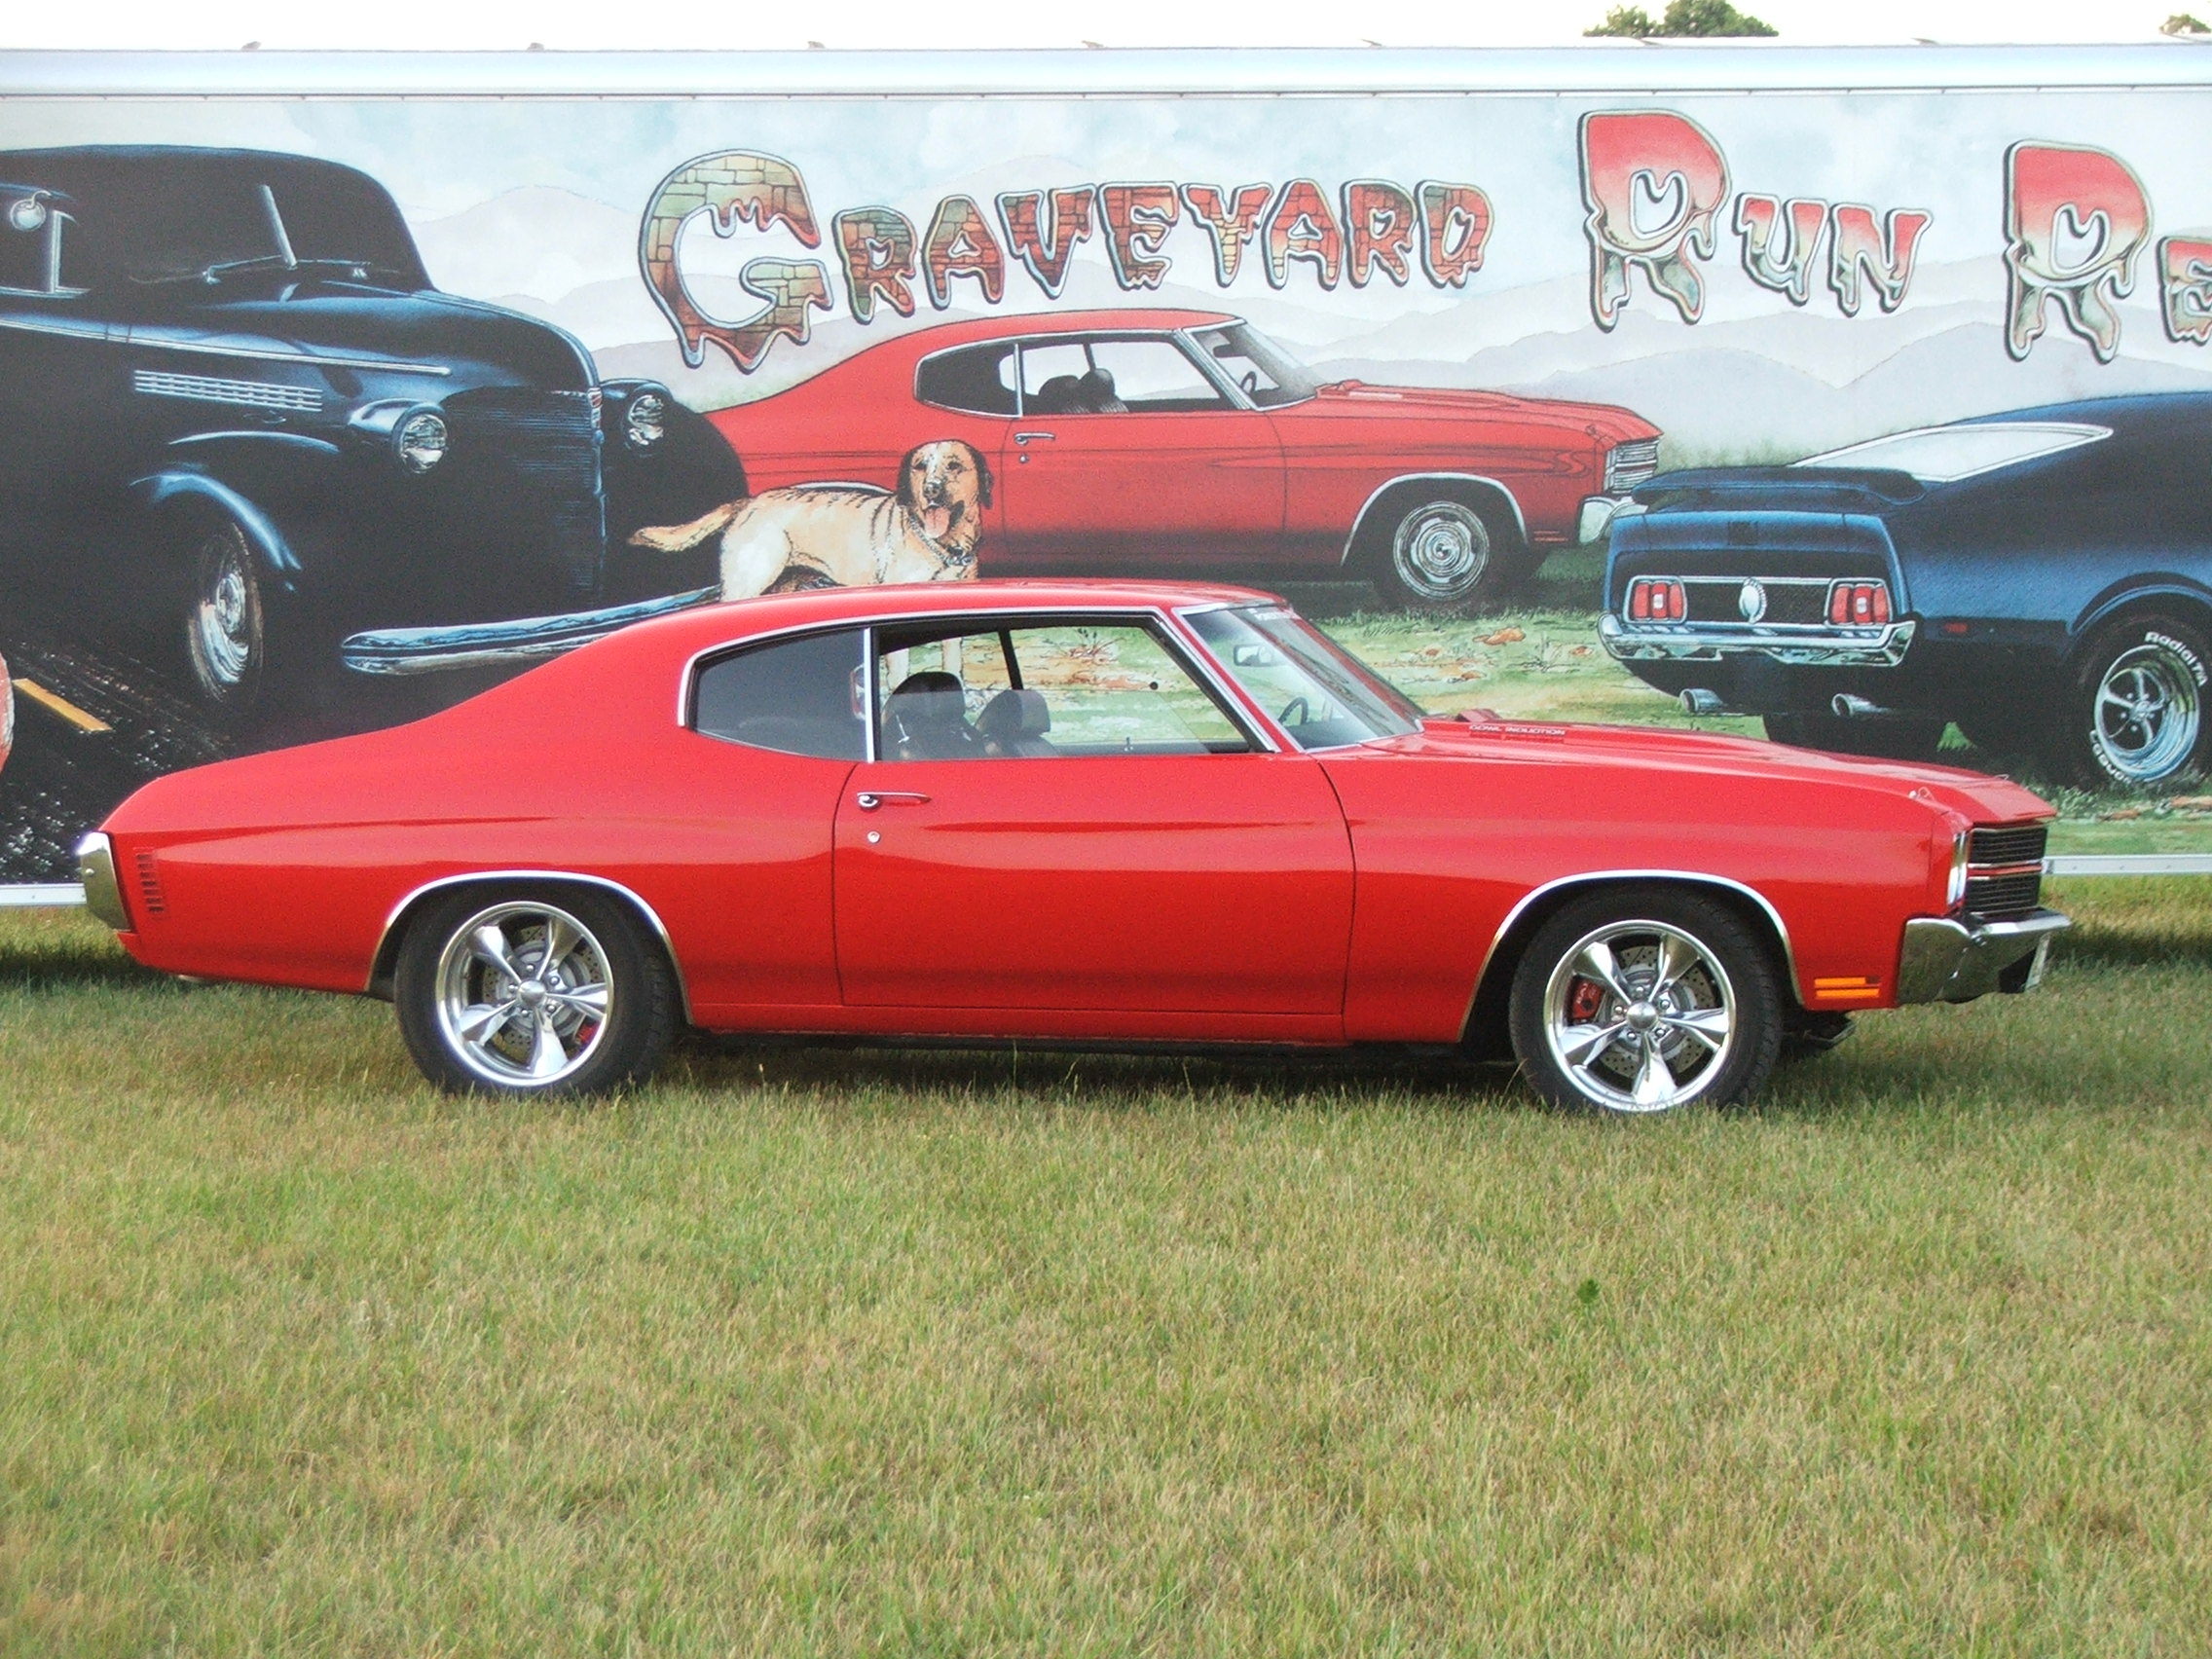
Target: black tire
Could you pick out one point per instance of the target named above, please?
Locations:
(438, 974)
(1905, 737)
(2133, 714)
(1442, 553)
(224, 622)
(1730, 988)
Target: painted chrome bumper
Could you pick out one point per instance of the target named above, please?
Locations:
(1596, 516)
(491, 644)
(1943, 960)
(103, 893)
(1712, 642)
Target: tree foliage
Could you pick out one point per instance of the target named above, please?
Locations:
(1682, 18)
(2180, 23)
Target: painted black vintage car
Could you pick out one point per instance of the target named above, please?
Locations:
(2044, 578)
(236, 415)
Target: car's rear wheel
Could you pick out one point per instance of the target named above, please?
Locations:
(554, 992)
(1904, 737)
(224, 636)
(1641, 1001)
(2134, 714)
(1442, 553)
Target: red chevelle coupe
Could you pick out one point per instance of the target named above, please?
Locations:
(1095, 813)
(1182, 443)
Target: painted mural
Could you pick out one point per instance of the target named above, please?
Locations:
(1874, 422)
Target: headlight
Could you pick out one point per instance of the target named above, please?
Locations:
(419, 440)
(644, 421)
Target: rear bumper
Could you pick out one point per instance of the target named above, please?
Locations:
(1800, 646)
(390, 652)
(1943, 960)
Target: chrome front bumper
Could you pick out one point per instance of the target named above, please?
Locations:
(493, 644)
(1712, 642)
(1943, 960)
(103, 893)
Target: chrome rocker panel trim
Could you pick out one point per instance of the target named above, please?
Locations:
(103, 893)
(1943, 960)
(1804, 646)
(489, 645)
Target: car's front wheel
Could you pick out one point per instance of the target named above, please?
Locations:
(1443, 553)
(224, 631)
(1638, 1001)
(546, 993)
(2135, 712)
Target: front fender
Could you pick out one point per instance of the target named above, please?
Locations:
(279, 566)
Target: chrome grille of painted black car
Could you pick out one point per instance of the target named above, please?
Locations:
(211, 389)
(547, 442)
(1629, 465)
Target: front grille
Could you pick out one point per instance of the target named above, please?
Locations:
(2003, 897)
(1789, 603)
(1629, 465)
(210, 389)
(2008, 844)
(536, 456)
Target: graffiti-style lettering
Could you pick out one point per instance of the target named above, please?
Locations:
(1231, 218)
(960, 244)
(1138, 218)
(735, 187)
(1304, 227)
(877, 247)
(1046, 259)
(1379, 228)
(2075, 219)
(1780, 240)
(1862, 249)
(1655, 182)
(1454, 224)
(2184, 284)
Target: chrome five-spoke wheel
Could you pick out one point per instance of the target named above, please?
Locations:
(553, 992)
(2148, 717)
(1642, 1004)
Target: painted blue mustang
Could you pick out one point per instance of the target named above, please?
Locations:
(2044, 578)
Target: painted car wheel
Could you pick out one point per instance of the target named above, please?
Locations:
(1645, 1002)
(533, 994)
(1441, 555)
(223, 634)
(2138, 714)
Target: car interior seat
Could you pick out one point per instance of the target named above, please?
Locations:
(1096, 394)
(1062, 394)
(926, 718)
(1014, 723)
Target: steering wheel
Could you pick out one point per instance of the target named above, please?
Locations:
(1285, 719)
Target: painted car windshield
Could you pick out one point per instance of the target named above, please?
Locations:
(1270, 375)
(214, 224)
(1323, 697)
(1945, 455)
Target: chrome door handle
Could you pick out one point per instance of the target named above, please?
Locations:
(867, 800)
(1035, 437)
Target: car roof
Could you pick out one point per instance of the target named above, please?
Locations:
(103, 170)
(1027, 324)
(2130, 414)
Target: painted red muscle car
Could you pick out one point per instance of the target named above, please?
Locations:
(1092, 813)
(1187, 443)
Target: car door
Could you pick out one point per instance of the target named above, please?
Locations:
(1126, 455)
(1078, 824)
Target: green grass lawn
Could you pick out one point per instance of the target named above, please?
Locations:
(818, 1352)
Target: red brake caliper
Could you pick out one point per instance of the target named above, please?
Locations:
(1583, 1000)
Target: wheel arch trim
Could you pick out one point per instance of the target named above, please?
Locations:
(2116, 601)
(1616, 877)
(383, 959)
(1476, 479)
(271, 549)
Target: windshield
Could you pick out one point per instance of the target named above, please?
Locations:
(1270, 375)
(1323, 697)
(1943, 455)
(210, 222)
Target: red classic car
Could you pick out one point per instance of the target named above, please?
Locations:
(1184, 442)
(1091, 813)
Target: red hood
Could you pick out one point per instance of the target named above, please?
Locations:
(1975, 797)
(1606, 420)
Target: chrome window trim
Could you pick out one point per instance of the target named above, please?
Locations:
(1588, 878)
(1359, 519)
(676, 962)
(699, 663)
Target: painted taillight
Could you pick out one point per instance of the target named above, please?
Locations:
(1656, 598)
(1859, 605)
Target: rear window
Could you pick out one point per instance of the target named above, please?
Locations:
(976, 378)
(798, 696)
(1943, 455)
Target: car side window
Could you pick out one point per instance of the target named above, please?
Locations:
(1047, 690)
(978, 379)
(1112, 377)
(30, 242)
(798, 696)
